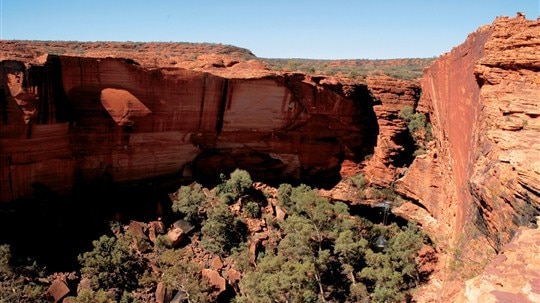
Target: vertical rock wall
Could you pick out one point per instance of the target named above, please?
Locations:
(77, 119)
(480, 180)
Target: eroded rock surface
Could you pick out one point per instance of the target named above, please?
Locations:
(77, 119)
(394, 144)
(479, 181)
(512, 276)
(482, 99)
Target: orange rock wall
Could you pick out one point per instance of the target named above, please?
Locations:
(394, 144)
(80, 119)
(481, 174)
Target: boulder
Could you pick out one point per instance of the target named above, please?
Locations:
(85, 283)
(179, 229)
(175, 236)
(215, 279)
(58, 290)
(280, 214)
(137, 229)
(162, 294)
(217, 264)
(233, 276)
(155, 228)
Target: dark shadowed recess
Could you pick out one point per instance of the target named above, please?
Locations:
(376, 214)
(53, 230)
(211, 163)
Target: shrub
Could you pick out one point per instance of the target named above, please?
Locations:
(417, 125)
(233, 188)
(386, 193)
(191, 202)
(252, 209)
(284, 195)
(163, 242)
(239, 181)
(221, 230)
(112, 263)
(358, 181)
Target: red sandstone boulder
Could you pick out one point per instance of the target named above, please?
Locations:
(216, 264)
(215, 279)
(58, 290)
(162, 295)
(233, 276)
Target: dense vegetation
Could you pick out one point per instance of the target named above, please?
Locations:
(327, 255)
(410, 68)
(419, 128)
(318, 252)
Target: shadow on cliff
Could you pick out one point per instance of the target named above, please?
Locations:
(311, 152)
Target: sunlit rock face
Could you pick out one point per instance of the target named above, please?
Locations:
(77, 119)
(483, 101)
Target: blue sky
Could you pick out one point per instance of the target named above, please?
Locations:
(337, 29)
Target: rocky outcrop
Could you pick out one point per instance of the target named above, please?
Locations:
(479, 181)
(505, 178)
(395, 146)
(66, 119)
(77, 119)
(513, 275)
(482, 99)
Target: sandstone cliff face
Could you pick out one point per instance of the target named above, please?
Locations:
(80, 119)
(480, 180)
(395, 146)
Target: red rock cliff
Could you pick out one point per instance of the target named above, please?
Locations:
(481, 179)
(78, 119)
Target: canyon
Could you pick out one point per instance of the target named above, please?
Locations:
(115, 115)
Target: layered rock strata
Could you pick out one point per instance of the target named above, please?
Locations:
(512, 276)
(479, 182)
(75, 119)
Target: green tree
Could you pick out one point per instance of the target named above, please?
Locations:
(236, 186)
(191, 202)
(351, 250)
(222, 230)
(313, 221)
(417, 125)
(284, 195)
(394, 271)
(278, 279)
(252, 209)
(240, 181)
(181, 274)
(323, 255)
(403, 249)
(112, 263)
(381, 271)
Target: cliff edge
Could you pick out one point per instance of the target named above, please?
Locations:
(479, 182)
